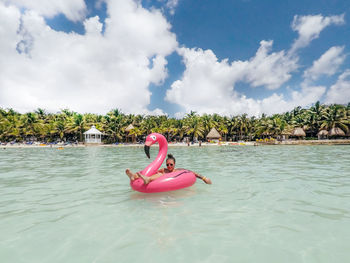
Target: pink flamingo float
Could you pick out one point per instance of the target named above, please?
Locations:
(167, 182)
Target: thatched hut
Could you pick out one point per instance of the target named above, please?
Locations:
(131, 136)
(336, 132)
(298, 132)
(285, 134)
(214, 135)
(322, 134)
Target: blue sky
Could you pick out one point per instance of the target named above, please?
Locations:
(174, 56)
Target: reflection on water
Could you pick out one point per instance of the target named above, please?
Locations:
(165, 199)
(266, 204)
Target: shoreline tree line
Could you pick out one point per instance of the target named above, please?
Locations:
(69, 126)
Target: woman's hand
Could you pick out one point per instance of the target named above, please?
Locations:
(206, 180)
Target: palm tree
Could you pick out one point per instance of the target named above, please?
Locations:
(113, 127)
(193, 125)
(115, 112)
(68, 124)
(299, 120)
(29, 124)
(10, 125)
(242, 125)
(263, 126)
(222, 127)
(348, 114)
(78, 125)
(61, 128)
(277, 125)
(296, 111)
(148, 125)
(335, 116)
(208, 123)
(313, 118)
(179, 129)
(67, 113)
(232, 126)
(168, 127)
(41, 113)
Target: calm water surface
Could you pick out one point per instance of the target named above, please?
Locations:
(266, 204)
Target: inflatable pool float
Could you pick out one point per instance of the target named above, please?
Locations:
(169, 181)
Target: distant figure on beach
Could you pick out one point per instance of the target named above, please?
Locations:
(170, 164)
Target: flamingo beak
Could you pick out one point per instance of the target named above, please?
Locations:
(147, 151)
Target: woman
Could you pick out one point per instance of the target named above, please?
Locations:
(170, 164)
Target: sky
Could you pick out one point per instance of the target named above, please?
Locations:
(173, 56)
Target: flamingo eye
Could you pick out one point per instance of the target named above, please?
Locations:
(153, 137)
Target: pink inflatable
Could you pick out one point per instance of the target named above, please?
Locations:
(167, 182)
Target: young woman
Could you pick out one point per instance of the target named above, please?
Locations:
(170, 167)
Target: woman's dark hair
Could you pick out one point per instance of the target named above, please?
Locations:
(171, 157)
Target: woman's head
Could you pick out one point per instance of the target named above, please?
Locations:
(170, 162)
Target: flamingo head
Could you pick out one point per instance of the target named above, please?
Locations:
(150, 139)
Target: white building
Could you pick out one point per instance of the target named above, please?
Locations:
(93, 135)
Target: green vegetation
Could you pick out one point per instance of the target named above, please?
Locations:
(70, 126)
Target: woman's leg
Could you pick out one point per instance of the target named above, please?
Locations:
(147, 180)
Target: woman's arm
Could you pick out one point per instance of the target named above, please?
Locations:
(205, 179)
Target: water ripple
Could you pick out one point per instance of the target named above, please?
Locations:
(76, 205)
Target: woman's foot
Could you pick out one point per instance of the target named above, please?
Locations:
(131, 175)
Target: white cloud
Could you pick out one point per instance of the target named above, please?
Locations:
(9, 24)
(74, 10)
(94, 72)
(276, 103)
(269, 70)
(207, 85)
(309, 28)
(172, 4)
(93, 26)
(328, 64)
(340, 91)
(307, 95)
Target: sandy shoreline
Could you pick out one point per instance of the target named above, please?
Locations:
(287, 142)
(18, 145)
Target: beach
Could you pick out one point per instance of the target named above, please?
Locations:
(203, 144)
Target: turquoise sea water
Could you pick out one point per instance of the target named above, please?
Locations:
(266, 204)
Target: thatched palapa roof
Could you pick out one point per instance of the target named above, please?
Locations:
(129, 128)
(336, 132)
(213, 134)
(322, 133)
(298, 132)
(286, 132)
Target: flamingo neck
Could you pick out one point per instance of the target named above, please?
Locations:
(154, 166)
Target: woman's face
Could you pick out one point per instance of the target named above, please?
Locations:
(170, 164)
